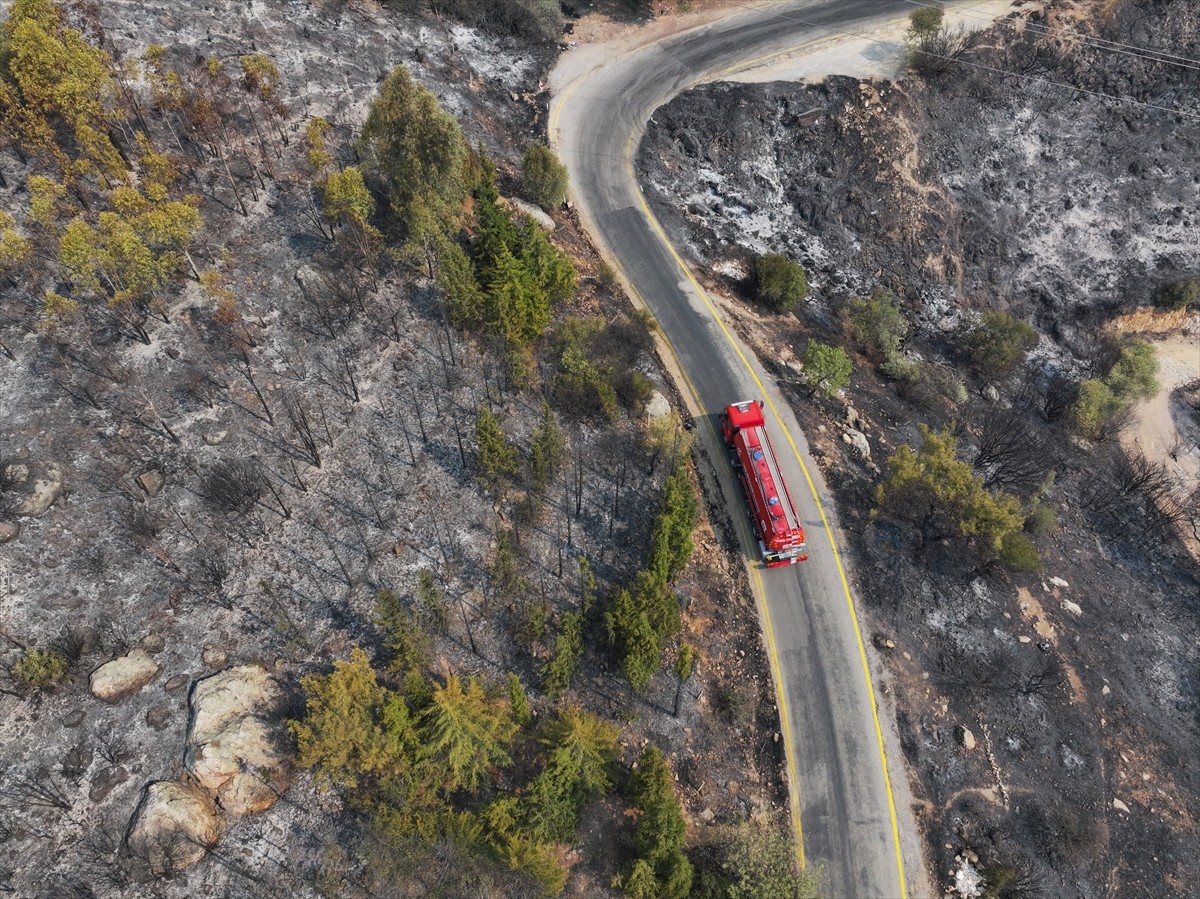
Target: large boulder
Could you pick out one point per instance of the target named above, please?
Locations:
(232, 751)
(123, 676)
(173, 826)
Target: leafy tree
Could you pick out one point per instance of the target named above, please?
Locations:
(932, 47)
(403, 632)
(671, 538)
(581, 748)
(549, 267)
(547, 447)
(543, 177)
(515, 308)
(568, 651)
(1134, 376)
(418, 152)
(497, 457)
(431, 599)
(465, 736)
(346, 198)
(876, 323)
(504, 572)
(39, 668)
(779, 282)
(462, 297)
(998, 342)
(826, 368)
(316, 134)
(1018, 553)
(943, 496)
(581, 383)
(660, 832)
(634, 642)
(518, 700)
(353, 728)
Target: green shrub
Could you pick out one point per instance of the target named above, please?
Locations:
(1094, 409)
(778, 282)
(826, 368)
(1018, 553)
(543, 177)
(40, 668)
(1041, 520)
(1134, 376)
(1181, 294)
(876, 323)
(998, 342)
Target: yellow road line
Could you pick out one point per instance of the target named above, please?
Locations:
(862, 651)
(768, 628)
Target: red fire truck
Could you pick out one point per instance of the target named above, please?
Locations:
(780, 535)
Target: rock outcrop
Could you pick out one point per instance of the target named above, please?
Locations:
(173, 826)
(123, 676)
(37, 485)
(231, 751)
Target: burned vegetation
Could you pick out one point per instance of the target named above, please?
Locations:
(348, 544)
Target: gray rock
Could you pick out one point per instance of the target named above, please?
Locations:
(535, 213)
(858, 440)
(151, 481)
(214, 656)
(73, 719)
(966, 738)
(76, 760)
(216, 438)
(658, 406)
(123, 676)
(176, 682)
(153, 643)
(46, 488)
(105, 781)
(991, 394)
(9, 531)
(159, 717)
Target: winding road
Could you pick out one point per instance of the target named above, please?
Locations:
(848, 787)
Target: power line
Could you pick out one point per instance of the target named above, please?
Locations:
(1097, 43)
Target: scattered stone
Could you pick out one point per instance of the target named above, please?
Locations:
(966, 738)
(1073, 608)
(47, 487)
(1120, 806)
(153, 643)
(73, 719)
(991, 394)
(123, 676)
(708, 816)
(9, 531)
(159, 717)
(63, 603)
(176, 682)
(76, 761)
(215, 438)
(882, 642)
(1059, 582)
(213, 656)
(173, 826)
(1024, 639)
(853, 419)
(16, 474)
(105, 781)
(231, 751)
(151, 481)
(1105, 690)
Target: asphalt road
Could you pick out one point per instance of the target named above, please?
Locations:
(854, 823)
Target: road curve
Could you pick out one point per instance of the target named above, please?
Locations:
(844, 787)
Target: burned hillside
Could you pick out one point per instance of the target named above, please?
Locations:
(983, 238)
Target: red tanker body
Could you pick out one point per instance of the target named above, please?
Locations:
(780, 535)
